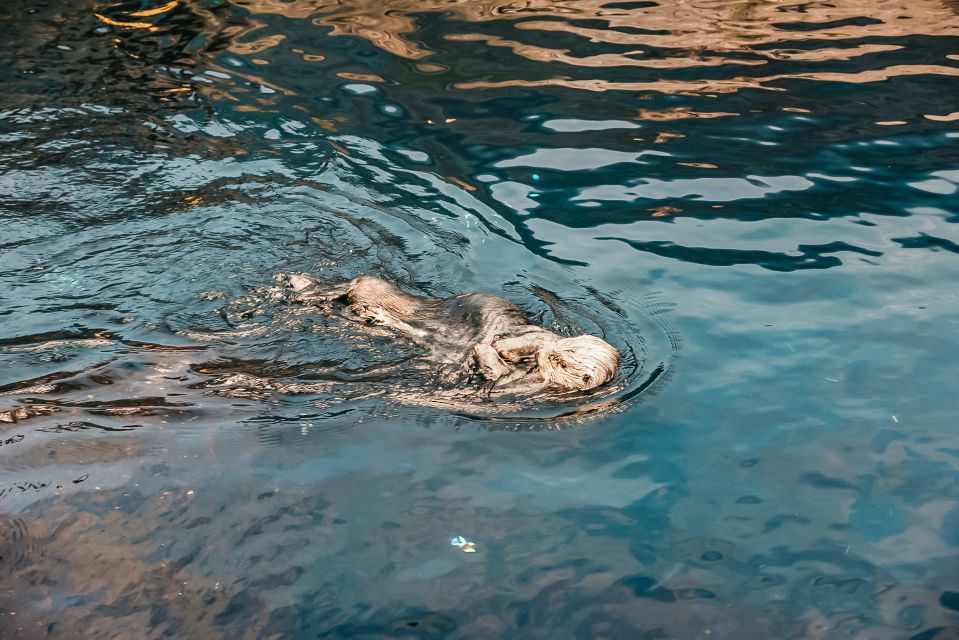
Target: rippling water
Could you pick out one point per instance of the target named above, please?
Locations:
(755, 201)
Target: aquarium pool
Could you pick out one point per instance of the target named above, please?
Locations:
(755, 201)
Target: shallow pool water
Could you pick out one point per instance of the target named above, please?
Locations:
(756, 201)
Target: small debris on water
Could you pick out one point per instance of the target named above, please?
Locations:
(895, 419)
(463, 544)
(831, 379)
(662, 212)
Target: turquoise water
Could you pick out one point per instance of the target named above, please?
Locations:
(755, 201)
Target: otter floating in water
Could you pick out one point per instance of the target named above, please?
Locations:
(475, 332)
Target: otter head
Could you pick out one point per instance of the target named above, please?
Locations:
(579, 363)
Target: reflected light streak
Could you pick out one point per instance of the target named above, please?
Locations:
(691, 25)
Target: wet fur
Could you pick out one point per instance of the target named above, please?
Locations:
(476, 332)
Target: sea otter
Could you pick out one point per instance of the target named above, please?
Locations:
(475, 332)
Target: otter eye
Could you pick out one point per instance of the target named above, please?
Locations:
(586, 379)
(562, 365)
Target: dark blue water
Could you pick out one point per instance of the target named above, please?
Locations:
(755, 201)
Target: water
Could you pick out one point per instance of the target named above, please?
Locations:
(756, 201)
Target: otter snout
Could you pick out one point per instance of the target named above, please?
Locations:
(580, 363)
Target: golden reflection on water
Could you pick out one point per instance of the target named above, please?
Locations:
(155, 11)
(680, 113)
(721, 86)
(682, 34)
(731, 41)
(127, 14)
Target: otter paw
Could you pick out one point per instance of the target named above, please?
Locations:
(518, 348)
(488, 362)
(299, 282)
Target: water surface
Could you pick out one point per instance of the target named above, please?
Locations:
(754, 200)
